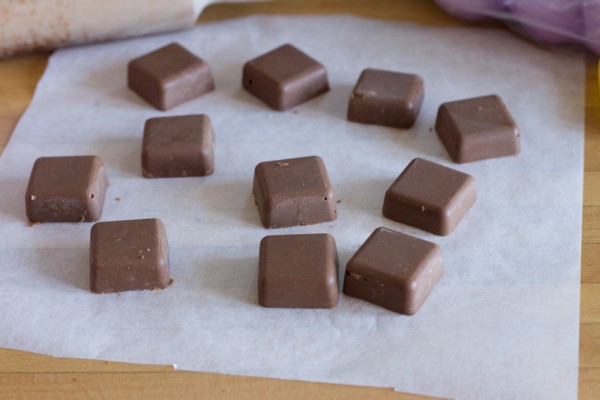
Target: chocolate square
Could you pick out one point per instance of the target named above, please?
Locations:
(169, 76)
(285, 77)
(430, 196)
(128, 255)
(178, 146)
(293, 192)
(394, 271)
(386, 98)
(477, 129)
(298, 271)
(66, 189)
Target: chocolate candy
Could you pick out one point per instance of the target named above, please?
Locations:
(66, 189)
(386, 98)
(169, 76)
(128, 255)
(293, 192)
(430, 196)
(477, 129)
(298, 271)
(284, 77)
(394, 271)
(178, 146)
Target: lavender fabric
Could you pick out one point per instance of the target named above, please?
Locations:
(551, 21)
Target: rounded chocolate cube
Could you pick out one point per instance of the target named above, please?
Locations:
(66, 189)
(386, 98)
(298, 271)
(285, 77)
(292, 192)
(178, 146)
(430, 196)
(394, 271)
(477, 129)
(169, 76)
(128, 255)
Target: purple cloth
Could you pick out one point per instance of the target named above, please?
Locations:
(552, 21)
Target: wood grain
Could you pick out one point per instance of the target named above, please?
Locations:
(36, 376)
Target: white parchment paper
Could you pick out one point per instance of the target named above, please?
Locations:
(502, 323)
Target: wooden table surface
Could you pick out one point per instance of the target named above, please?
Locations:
(27, 375)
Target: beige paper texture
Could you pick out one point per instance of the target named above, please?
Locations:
(502, 323)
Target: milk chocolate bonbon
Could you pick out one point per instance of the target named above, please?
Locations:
(430, 196)
(178, 146)
(298, 271)
(169, 76)
(394, 271)
(293, 192)
(128, 255)
(66, 189)
(477, 129)
(386, 98)
(285, 77)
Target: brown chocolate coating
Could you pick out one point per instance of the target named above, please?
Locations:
(430, 196)
(128, 255)
(394, 271)
(386, 98)
(178, 146)
(293, 192)
(169, 76)
(285, 77)
(477, 129)
(298, 271)
(66, 189)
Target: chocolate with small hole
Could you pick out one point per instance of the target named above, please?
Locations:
(285, 77)
(293, 192)
(66, 189)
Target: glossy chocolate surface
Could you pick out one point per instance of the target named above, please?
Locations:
(298, 271)
(394, 271)
(66, 189)
(128, 255)
(386, 98)
(169, 76)
(293, 192)
(477, 129)
(284, 77)
(178, 146)
(430, 196)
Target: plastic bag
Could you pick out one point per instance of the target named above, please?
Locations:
(551, 21)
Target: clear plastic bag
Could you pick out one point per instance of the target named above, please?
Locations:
(551, 21)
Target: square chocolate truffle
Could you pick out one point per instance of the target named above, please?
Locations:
(66, 189)
(430, 196)
(293, 192)
(169, 76)
(477, 129)
(394, 271)
(386, 98)
(285, 77)
(178, 146)
(128, 255)
(298, 271)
